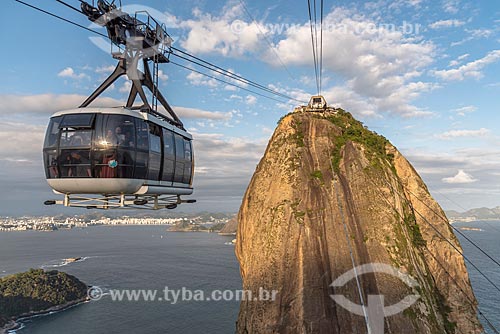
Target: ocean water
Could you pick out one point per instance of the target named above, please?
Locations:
(148, 257)
(488, 239)
(131, 257)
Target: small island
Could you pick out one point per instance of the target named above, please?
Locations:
(73, 259)
(37, 292)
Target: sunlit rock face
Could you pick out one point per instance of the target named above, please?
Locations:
(323, 169)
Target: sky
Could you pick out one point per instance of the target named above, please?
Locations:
(423, 73)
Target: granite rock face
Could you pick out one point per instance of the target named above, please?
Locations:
(324, 183)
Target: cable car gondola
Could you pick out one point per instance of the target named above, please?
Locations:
(117, 151)
(123, 157)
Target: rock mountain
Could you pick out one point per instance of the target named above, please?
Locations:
(327, 187)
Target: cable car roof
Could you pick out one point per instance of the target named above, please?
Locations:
(125, 111)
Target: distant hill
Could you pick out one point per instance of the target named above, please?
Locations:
(230, 227)
(477, 214)
(37, 291)
(185, 226)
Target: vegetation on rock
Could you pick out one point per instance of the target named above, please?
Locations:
(37, 290)
(353, 130)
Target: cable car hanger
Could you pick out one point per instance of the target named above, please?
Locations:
(142, 41)
(131, 157)
(146, 41)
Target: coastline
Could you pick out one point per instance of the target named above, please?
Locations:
(464, 220)
(11, 325)
(15, 323)
(97, 225)
(185, 231)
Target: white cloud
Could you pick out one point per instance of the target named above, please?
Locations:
(230, 88)
(198, 79)
(222, 172)
(380, 66)
(296, 93)
(347, 99)
(446, 24)
(47, 103)
(28, 141)
(451, 6)
(480, 33)
(461, 177)
(307, 80)
(435, 164)
(105, 69)
(465, 110)
(68, 72)
(469, 70)
(222, 34)
(184, 112)
(464, 133)
(250, 100)
(236, 79)
(415, 3)
(473, 35)
(221, 157)
(459, 60)
(162, 76)
(108, 69)
(125, 88)
(267, 131)
(397, 4)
